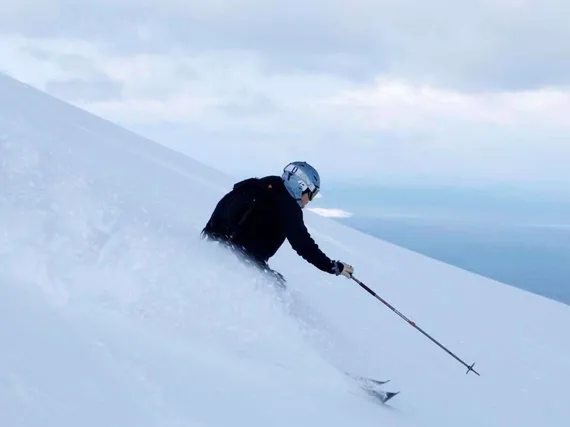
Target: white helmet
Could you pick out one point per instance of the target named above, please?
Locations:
(300, 178)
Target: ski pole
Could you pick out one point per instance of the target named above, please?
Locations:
(383, 301)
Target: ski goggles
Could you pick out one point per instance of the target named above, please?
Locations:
(313, 193)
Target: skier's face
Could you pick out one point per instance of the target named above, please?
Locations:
(305, 199)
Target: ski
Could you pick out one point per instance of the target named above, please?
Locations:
(372, 387)
(370, 381)
(382, 396)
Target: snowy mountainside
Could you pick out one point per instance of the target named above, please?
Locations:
(114, 312)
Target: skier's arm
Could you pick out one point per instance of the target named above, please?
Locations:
(302, 242)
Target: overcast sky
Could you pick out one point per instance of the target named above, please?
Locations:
(401, 91)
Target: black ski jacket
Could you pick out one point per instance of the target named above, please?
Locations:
(278, 218)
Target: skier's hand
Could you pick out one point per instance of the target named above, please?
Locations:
(342, 268)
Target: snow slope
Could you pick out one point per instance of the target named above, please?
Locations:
(114, 313)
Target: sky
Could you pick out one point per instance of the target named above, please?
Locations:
(369, 91)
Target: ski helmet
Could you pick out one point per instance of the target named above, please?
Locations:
(300, 178)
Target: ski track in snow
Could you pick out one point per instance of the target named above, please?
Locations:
(113, 312)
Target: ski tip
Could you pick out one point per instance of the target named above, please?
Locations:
(390, 395)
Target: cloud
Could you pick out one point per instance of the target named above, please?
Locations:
(227, 108)
(38, 60)
(484, 45)
(78, 90)
(398, 104)
(330, 213)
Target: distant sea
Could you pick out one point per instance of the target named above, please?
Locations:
(516, 238)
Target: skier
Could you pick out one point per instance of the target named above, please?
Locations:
(258, 214)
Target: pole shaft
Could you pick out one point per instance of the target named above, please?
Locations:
(412, 323)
